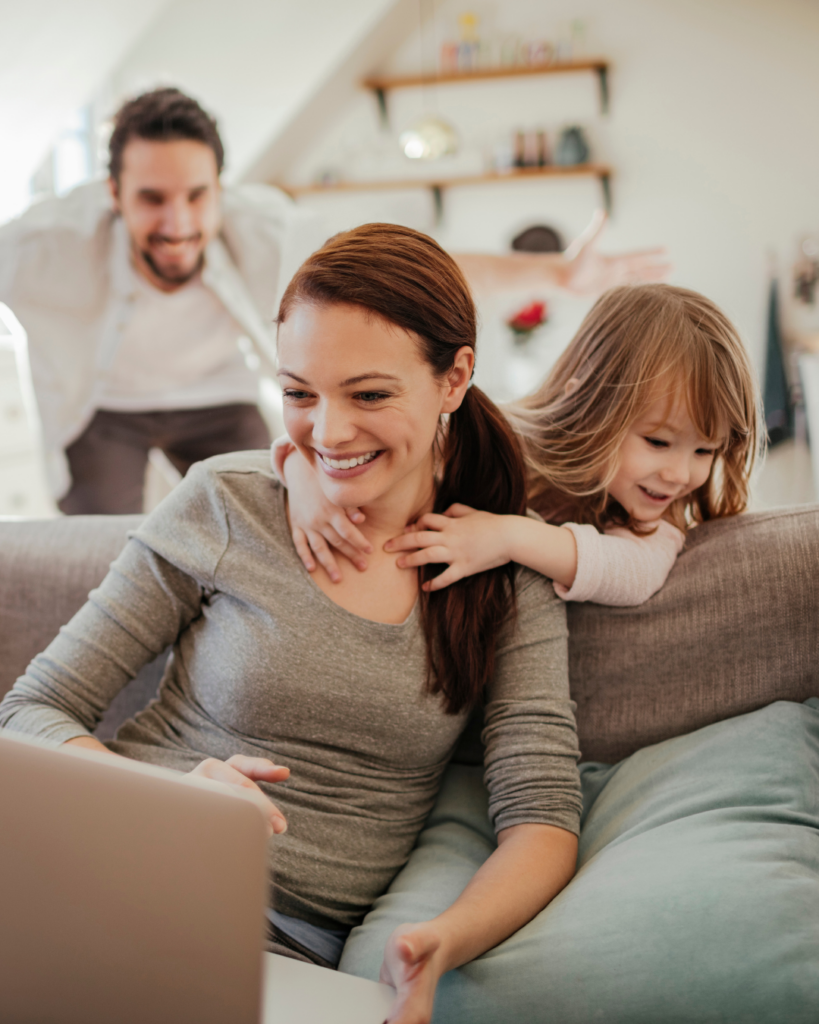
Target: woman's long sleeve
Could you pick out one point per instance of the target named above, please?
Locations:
(141, 607)
(529, 734)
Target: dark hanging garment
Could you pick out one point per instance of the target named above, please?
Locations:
(777, 399)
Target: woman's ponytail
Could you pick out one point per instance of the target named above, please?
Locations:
(407, 279)
(482, 466)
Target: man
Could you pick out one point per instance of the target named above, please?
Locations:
(149, 305)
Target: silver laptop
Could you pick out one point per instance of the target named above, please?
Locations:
(129, 894)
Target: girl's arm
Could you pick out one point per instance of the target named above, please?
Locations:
(470, 541)
(316, 524)
(529, 868)
(616, 568)
(619, 567)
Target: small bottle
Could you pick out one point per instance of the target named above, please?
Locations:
(469, 49)
(520, 149)
(449, 58)
(531, 149)
(503, 156)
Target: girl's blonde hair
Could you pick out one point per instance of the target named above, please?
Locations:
(639, 344)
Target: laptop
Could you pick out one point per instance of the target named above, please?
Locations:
(130, 894)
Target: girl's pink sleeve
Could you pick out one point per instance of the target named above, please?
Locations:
(618, 567)
(281, 448)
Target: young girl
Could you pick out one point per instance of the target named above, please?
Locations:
(645, 427)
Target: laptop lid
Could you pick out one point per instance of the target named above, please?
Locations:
(127, 893)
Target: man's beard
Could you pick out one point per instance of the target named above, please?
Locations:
(177, 278)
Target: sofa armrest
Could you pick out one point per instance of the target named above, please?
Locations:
(47, 568)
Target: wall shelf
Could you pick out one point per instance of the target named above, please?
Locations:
(382, 85)
(437, 185)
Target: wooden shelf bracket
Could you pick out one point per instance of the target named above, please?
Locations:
(438, 202)
(603, 82)
(380, 94)
(605, 186)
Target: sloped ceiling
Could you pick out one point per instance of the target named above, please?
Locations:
(254, 63)
(314, 110)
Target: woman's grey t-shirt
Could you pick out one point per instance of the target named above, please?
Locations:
(265, 664)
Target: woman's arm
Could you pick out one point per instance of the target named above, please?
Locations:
(529, 868)
(141, 607)
(531, 773)
(147, 599)
(469, 541)
(153, 591)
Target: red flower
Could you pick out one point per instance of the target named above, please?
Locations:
(528, 318)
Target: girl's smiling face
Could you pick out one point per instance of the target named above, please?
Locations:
(663, 458)
(363, 406)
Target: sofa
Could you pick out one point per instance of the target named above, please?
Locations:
(697, 891)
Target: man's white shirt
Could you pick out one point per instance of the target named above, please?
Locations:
(65, 272)
(179, 350)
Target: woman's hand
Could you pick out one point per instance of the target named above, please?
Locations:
(413, 965)
(316, 524)
(243, 772)
(467, 540)
(528, 869)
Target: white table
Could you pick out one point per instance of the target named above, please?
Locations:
(299, 993)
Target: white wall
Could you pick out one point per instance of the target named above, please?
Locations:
(54, 56)
(712, 135)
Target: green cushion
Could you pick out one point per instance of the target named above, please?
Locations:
(696, 897)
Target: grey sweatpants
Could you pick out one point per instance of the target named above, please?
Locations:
(108, 460)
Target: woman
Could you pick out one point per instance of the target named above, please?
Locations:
(357, 691)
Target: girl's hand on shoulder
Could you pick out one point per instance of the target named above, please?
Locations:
(316, 524)
(412, 965)
(243, 773)
(467, 540)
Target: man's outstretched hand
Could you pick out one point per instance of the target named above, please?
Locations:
(580, 270)
(588, 272)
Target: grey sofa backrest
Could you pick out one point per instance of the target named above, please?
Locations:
(735, 627)
(47, 567)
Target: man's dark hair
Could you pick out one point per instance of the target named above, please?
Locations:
(162, 115)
